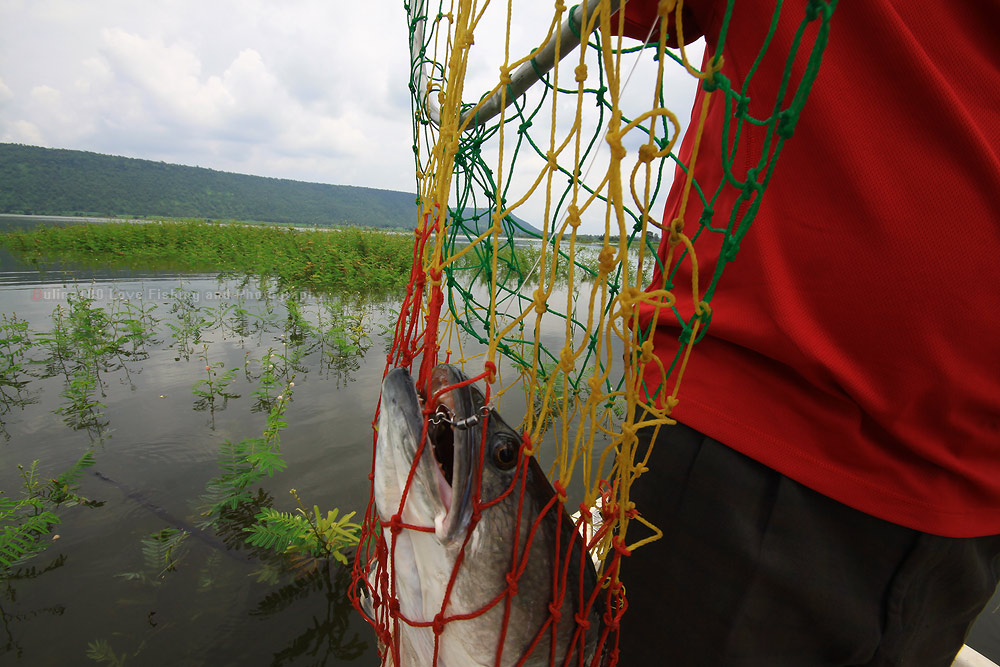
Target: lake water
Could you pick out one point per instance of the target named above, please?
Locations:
(156, 450)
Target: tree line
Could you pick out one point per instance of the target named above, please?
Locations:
(47, 181)
(56, 181)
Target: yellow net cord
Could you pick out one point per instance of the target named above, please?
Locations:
(583, 414)
(546, 314)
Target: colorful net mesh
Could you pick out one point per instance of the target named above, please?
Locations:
(542, 315)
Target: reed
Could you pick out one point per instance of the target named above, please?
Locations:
(335, 258)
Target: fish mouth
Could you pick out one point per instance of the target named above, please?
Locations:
(440, 490)
(453, 439)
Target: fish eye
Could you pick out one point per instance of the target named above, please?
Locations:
(505, 452)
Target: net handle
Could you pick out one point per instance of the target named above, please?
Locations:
(522, 79)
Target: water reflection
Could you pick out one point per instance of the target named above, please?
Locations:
(157, 376)
(9, 619)
(328, 638)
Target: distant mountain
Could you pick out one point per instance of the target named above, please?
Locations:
(46, 181)
(50, 181)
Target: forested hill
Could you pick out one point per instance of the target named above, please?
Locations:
(46, 181)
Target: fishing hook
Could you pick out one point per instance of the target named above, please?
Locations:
(443, 415)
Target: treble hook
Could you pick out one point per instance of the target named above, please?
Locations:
(443, 414)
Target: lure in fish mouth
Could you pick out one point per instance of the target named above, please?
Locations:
(508, 556)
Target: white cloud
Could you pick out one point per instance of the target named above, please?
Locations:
(169, 77)
(6, 95)
(94, 76)
(21, 132)
(46, 96)
(305, 89)
(297, 89)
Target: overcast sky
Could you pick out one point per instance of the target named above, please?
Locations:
(312, 90)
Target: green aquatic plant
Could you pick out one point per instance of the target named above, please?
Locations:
(100, 651)
(97, 332)
(343, 339)
(290, 361)
(87, 340)
(98, 335)
(133, 323)
(341, 258)
(162, 551)
(297, 325)
(239, 320)
(61, 490)
(15, 345)
(15, 342)
(190, 320)
(303, 534)
(57, 344)
(346, 332)
(273, 387)
(27, 521)
(245, 322)
(242, 464)
(214, 386)
(387, 327)
(83, 410)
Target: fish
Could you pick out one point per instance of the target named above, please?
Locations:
(471, 451)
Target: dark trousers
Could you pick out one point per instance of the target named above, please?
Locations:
(755, 569)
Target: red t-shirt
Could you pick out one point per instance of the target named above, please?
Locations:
(854, 343)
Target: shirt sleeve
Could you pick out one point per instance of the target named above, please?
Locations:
(641, 16)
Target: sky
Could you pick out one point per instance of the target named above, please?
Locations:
(312, 90)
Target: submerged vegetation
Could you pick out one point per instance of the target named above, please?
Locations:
(95, 343)
(88, 340)
(343, 258)
(26, 521)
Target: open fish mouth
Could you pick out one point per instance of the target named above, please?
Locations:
(449, 411)
(454, 435)
(441, 450)
(441, 439)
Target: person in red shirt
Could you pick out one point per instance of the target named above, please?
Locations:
(831, 493)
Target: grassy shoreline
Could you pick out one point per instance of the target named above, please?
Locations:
(338, 258)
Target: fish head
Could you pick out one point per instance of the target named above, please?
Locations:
(438, 449)
(474, 449)
(442, 453)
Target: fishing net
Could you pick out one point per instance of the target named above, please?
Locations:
(535, 250)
